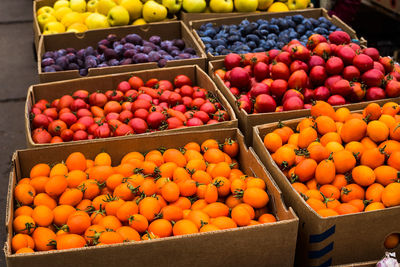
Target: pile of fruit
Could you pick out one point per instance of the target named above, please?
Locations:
(262, 35)
(337, 71)
(224, 6)
(342, 162)
(134, 107)
(80, 16)
(171, 192)
(112, 51)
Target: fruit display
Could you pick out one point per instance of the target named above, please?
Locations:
(80, 15)
(261, 35)
(114, 51)
(86, 201)
(134, 107)
(336, 70)
(341, 162)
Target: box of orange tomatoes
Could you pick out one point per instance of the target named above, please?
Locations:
(339, 171)
(198, 198)
(139, 95)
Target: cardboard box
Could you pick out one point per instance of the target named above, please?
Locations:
(167, 31)
(334, 240)
(41, 3)
(392, 6)
(186, 17)
(308, 13)
(248, 121)
(248, 246)
(54, 90)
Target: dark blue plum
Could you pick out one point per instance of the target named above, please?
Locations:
(47, 62)
(102, 65)
(128, 46)
(184, 56)
(141, 58)
(56, 67)
(73, 66)
(104, 42)
(61, 52)
(126, 61)
(162, 62)
(110, 54)
(155, 39)
(119, 49)
(298, 18)
(89, 51)
(49, 69)
(273, 28)
(112, 38)
(154, 56)
(90, 62)
(113, 62)
(253, 38)
(71, 50)
(48, 54)
(83, 72)
(134, 39)
(324, 25)
(62, 62)
(314, 22)
(129, 53)
(300, 29)
(189, 50)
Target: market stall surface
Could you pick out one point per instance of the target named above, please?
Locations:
(17, 72)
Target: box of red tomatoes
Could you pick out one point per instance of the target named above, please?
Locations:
(157, 214)
(283, 84)
(125, 105)
(115, 50)
(339, 172)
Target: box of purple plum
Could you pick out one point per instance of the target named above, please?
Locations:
(262, 32)
(115, 50)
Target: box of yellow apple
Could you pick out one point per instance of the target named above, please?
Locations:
(59, 16)
(209, 9)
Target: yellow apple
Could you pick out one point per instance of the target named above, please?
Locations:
(278, 7)
(61, 12)
(77, 27)
(91, 6)
(194, 6)
(45, 9)
(49, 32)
(54, 26)
(134, 8)
(173, 6)
(71, 18)
(96, 21)
(140, 21)
(60, 3)
(118, 16)
(221, 6)
(297, 4)
(264, 4)
(78, 5)
(45, 18)
(246, 5)
(153, 11)
(104, 6)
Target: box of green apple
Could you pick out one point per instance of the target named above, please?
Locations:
(59, 16)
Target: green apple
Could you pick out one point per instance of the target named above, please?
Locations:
(140, 21)
(264, 4)
(60, 3)
(96, 21)
(221, 6)
(118, 16)
(173, 6)
(78, 5)
(77, 27)
(61, 12)
(92, 5)
(194, 6)
(45, 18)
(153, 11)
(104, 6)
(54, 26)
(297, 4)
(134, 8)
(71, 18)
(246, 5)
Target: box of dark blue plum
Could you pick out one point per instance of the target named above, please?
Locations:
(261, 32)
(115, 50)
